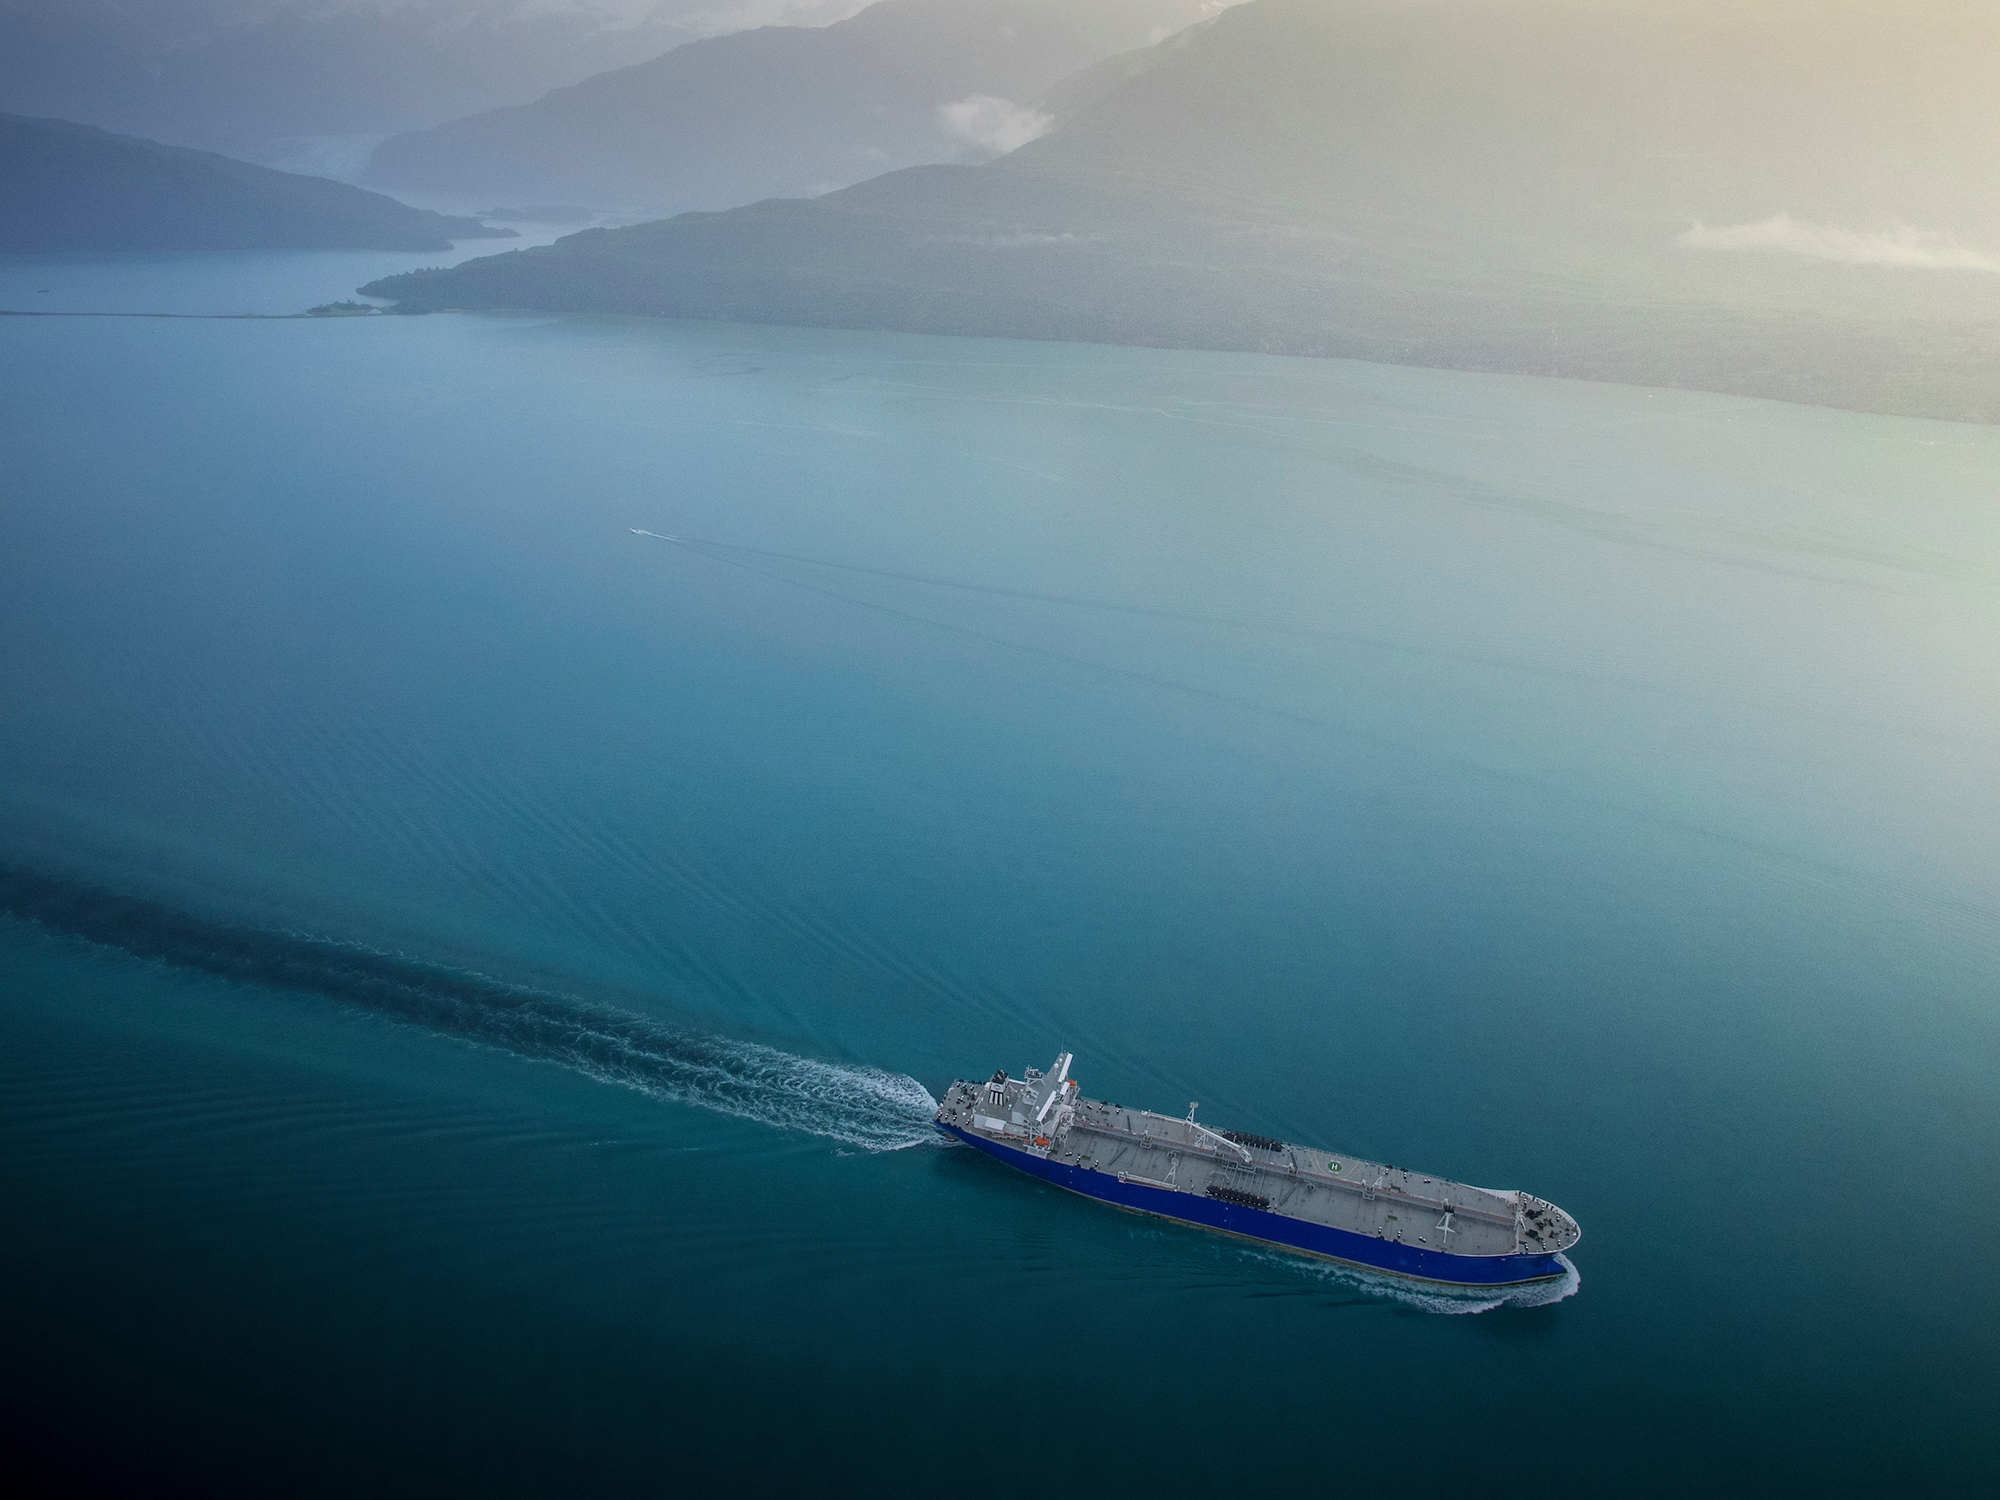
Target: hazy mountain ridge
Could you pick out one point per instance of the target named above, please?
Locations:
(1495, 112)
(287, 82)
(782, 111)
(65, 186)
(1506, 185)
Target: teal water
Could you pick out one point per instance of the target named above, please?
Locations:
(477, 969)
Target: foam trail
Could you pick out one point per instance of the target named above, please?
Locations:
(860, 1106)
(1426, 1297)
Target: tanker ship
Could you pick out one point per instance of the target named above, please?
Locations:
(1291, 1197)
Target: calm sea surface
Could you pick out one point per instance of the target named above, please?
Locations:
(478, 970)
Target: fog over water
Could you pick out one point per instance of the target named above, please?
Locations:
(216, 284)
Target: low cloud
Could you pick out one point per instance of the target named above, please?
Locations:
(742, 15)
(1021, 241)
(1903, 245)
(1210, 9)
(994, 125)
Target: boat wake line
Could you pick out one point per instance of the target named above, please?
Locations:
(1426, 1296)
(871, 1108)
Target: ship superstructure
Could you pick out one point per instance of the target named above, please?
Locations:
(1296, 1197)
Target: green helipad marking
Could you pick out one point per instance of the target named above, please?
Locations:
(1333, 1166)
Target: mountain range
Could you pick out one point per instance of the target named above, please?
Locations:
(1758, 197)
(782, 111)
(314, 84)
(74, 187)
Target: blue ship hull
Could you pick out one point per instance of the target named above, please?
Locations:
(1412, 1261)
